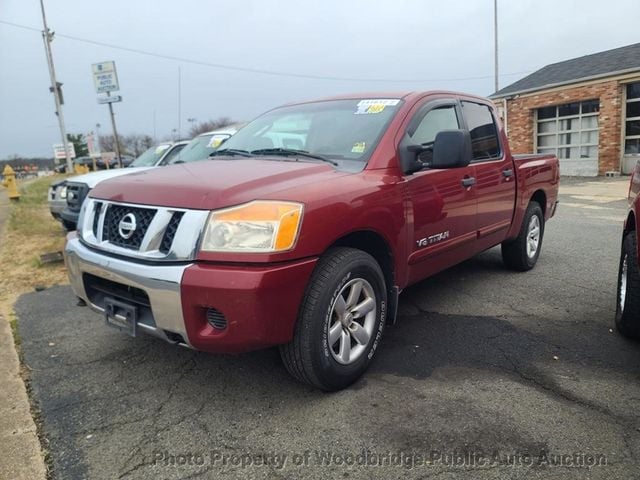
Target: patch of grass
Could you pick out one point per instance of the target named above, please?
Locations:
(13, 324)
(30, 231)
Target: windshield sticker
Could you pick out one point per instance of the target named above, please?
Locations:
(375, 105)
(161, 148)
(358, 147)
(216, 140)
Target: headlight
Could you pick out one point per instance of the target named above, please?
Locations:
(260, 226)
(81, 215)
(63, 192)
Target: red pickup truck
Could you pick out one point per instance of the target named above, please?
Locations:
(303, 228)
(628, 296)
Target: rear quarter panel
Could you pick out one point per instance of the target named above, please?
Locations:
(534, 173)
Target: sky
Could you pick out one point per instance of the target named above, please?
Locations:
(320, 48)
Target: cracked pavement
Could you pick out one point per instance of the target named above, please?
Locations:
(482, 361)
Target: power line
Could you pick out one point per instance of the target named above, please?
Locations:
(253, 70)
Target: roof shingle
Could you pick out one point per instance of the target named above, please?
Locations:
(602, 63)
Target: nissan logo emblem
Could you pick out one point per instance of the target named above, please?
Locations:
(127, 226)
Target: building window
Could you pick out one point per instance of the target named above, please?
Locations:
(569, 131)
(632, 120)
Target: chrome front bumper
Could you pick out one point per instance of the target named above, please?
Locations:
(160, 282)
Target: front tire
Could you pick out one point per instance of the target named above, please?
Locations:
(340, 322)
(628, 294)
(522, 253)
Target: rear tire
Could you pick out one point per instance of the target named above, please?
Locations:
(628, 293)
(340, 322)
(522, 253)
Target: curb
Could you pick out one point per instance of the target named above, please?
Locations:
(21, 453)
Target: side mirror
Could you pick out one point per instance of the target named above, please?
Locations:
(451, 149)
(409, 156)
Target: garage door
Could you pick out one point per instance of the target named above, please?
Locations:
(570, 131)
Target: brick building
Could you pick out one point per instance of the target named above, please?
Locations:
(585, 110)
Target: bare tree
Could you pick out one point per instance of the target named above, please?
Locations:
(108, 143)
(136, 144)
(133, 144)
(210, 125)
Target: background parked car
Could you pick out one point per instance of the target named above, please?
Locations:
(57, 198)
(204, 144)
(79, 187)
(127, 160)
(163, 154)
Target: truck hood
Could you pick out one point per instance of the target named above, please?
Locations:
(93, 178)
(212, 184)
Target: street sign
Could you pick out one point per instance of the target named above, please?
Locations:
(111, 99)
(105, 77)
(58, 151)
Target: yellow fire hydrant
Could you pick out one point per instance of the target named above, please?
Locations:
(10, 182)
(80, 169)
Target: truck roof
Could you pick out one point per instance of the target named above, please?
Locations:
(406, 95)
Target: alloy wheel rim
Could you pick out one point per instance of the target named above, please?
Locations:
(352, 321)
(533, 236)
(623, 283)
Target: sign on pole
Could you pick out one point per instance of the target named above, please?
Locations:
(105, 77)
(106, 81)
(58, 151)
(110, 99)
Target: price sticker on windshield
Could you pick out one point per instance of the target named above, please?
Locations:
(373, 106)
(216, 140)
(161, 148)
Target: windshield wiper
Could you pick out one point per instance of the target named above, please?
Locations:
(290, 152)
(231, 152)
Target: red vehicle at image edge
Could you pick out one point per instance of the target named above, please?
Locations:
(304, 227)
(628, 295)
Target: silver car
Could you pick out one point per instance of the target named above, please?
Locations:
(57, 198)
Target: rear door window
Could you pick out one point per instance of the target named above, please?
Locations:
(484, 132)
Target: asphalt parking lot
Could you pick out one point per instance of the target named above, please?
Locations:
(487, 374)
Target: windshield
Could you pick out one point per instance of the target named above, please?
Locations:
(200, 147)
(151, 156)
(335, 129)
(170, 157)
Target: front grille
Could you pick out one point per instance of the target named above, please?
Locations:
(76, 193)
(96, 219)
(159, 234)
(115, 214)
(170, 232)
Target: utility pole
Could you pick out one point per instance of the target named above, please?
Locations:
(192, 122)
(115, 132)
(179, 102)
(47, 36)
(495, 30)
(98, 137)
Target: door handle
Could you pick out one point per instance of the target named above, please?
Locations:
(507, 172)
(468, 182)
